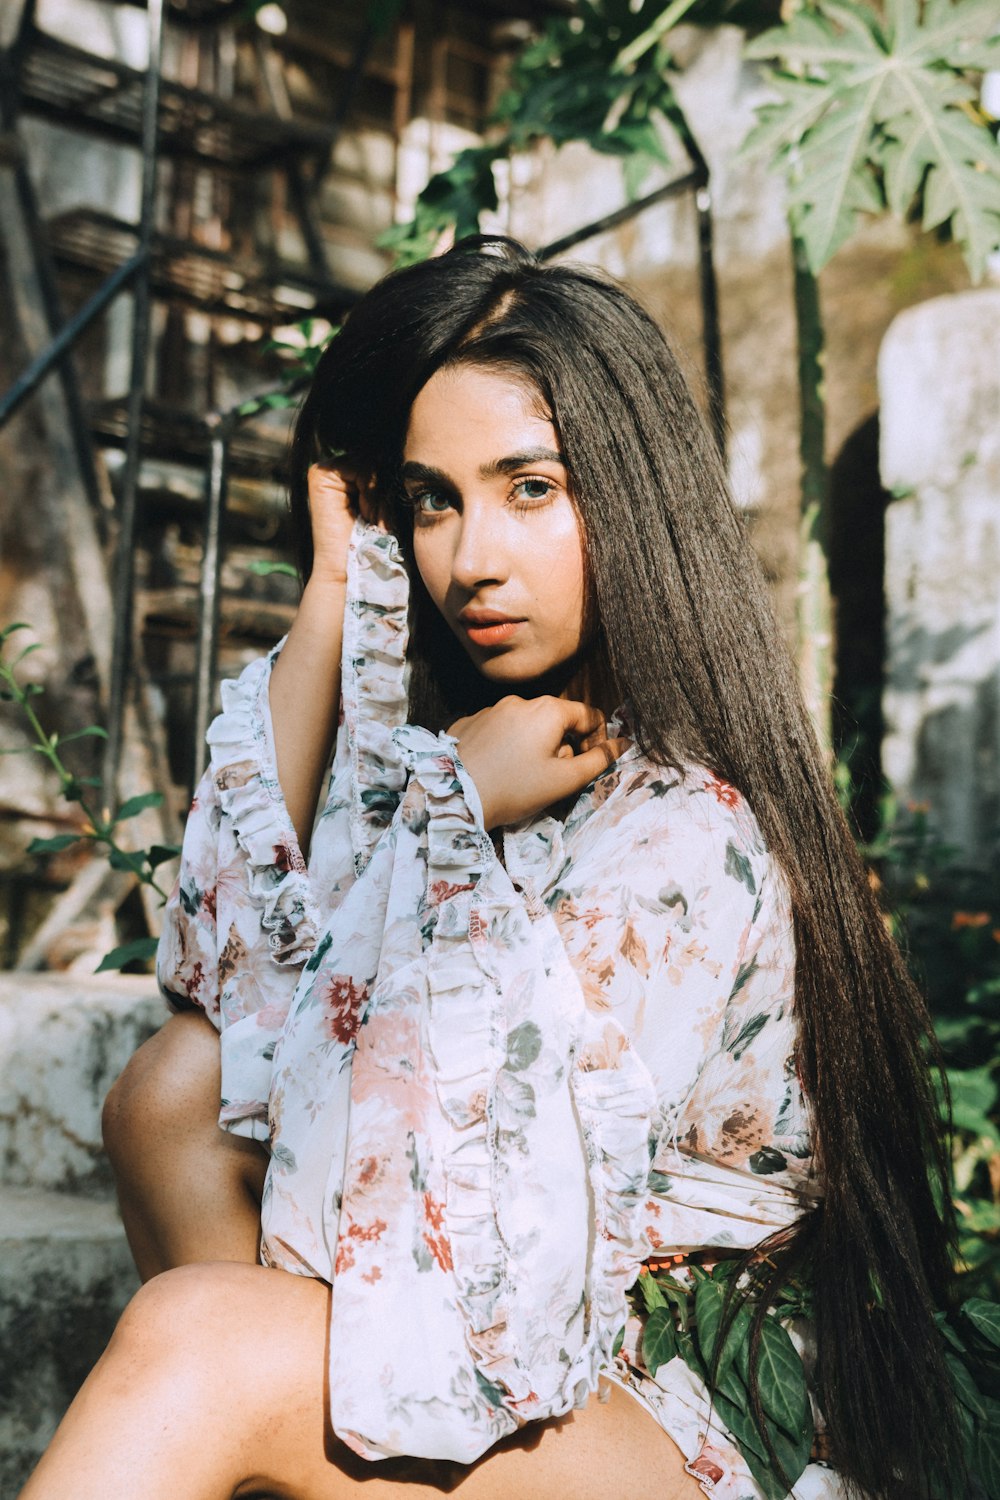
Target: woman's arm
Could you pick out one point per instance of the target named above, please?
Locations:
(305, 682)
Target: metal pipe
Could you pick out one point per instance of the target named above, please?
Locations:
(122, 645)
(211, 582)
(67, 336)
(711, 332)
(620, 215)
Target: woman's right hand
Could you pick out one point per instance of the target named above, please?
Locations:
(524, 754)
(338, 494)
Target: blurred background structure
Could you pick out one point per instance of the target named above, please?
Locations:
(192, 192)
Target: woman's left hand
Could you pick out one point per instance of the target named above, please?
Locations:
(524, 754)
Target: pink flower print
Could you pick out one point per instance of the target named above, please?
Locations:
(194, 982)
(441, 890)
(343, 1001)
(706, 1468)
(437, 1242)
(722, 791)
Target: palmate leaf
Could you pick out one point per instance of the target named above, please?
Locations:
(870, 113)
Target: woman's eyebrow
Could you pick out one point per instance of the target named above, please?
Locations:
(515, 461)
(427, 474)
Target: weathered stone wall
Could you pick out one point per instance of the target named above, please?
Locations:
(939, 382)
(65, 1269)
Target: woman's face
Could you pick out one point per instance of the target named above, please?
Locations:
(496, 537)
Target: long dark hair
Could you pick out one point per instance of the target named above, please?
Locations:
(692, 642)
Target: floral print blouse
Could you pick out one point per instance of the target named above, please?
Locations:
(491, 1088)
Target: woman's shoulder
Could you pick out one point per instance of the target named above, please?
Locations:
(686, 799)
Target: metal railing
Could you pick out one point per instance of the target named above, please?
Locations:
(222, 426)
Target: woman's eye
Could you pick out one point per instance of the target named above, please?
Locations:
(533, 489)
(430, 503)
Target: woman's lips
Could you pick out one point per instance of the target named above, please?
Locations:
(490, 633)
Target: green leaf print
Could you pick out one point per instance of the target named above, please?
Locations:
(282, 1154)
(767, 1160)
(319, 953)
(738, 866)
(524, 1044)
(739, 1043)
(746, 972)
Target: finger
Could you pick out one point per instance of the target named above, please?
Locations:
(366, 499)
(575, 718)
(330, 485)
(589, 764)
(596, 737)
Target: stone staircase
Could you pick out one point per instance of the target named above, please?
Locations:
(65, 1269)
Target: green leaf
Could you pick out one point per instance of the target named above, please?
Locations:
(263, 568)
(92, 731)
(867, 115)
(651, 1293)
(659, 1339)
(781, 1380)
(709, 1302)
(53, 845)
(986, 1456)
(159, 854)
(124, 859)
(9, 630)
(984, 1317)
(973, 1098)
(965, 1387)
(137, 804)
(141, 948)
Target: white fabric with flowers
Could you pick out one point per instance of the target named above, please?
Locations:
(491, 1089)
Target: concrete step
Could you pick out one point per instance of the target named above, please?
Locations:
(65, 1276)
(63, 1041)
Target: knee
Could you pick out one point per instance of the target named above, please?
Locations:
(177, 1328)
(169, 1083)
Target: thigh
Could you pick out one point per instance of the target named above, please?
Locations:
(608, 1447)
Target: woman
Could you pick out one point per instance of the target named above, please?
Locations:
(526, 1020)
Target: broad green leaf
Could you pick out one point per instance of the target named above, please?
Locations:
(709, 1302)
(866, 115)
(144, 948)
(659, 1339)
(53, 845)
(651, 1293)
(973, 1098)
(984, 1317)
(986, 1460)
(137, 804)
(965, 1387)
(781, 1380)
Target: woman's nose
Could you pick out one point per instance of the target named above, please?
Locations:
(481, 554)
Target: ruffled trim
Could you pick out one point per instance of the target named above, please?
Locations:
(374, 682)
(475, 929)
(467, 1044)
(243, 768)
(616, 1107)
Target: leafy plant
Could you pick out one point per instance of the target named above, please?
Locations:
(700, 1316)
(99, 828)
(601, 76)
(690, 1316)
(879, 110)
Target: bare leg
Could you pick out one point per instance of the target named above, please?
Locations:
(188, 1190)
(213, 1388)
